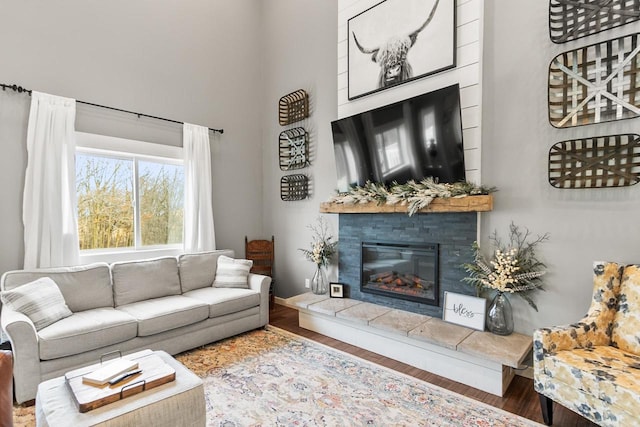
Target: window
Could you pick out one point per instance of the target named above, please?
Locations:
(128, 200)
(161, 202)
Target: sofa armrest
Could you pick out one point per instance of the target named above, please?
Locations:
(26, 357)
(261, 284)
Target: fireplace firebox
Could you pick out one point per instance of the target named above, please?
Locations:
(400, 270)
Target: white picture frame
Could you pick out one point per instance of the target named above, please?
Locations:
(464, 310)
(426, 30)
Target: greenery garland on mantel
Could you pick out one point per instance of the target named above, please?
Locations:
(417, 195)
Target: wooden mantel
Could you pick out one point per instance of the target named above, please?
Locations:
(482, 203)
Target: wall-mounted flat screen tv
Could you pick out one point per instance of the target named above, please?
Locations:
(413, 139)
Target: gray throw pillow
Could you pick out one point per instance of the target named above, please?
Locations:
(40, 300)
(232, 273)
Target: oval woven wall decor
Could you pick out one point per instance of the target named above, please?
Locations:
(596, 83)
(293, 107)
(572, 19)
(597, 162)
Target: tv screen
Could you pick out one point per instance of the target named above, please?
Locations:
(413, 139)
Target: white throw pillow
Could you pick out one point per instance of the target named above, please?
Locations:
(232, 273)
(40, 300)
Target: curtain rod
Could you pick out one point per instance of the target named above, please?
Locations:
(20, 89)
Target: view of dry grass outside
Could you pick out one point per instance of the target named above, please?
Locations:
(106, 202)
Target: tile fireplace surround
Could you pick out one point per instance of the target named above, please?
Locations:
(454, 232)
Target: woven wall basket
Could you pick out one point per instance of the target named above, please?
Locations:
(293, 149)
(293, 107)
(572, 19)
(594, 84)
(598, 162)
(294, 187)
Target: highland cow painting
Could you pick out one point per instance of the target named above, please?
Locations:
(397, 41)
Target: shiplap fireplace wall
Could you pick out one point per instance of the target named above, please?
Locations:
(468, 73)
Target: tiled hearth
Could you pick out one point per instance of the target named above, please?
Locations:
(453, 232)
(479, 359)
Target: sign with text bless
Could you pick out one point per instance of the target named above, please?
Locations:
(464, 310)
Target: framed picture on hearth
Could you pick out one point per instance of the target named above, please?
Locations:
(336, 290)
(396, 41)
(464, 310)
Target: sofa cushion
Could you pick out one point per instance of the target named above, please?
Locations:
(604, 372)
(161, 314)
(40, 300)
(232, 273)
(135, 281)
(199, 269)
(223, 301)
(626, 324)
(86, 331)
(75, 283)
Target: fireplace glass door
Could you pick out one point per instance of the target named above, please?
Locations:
(398, 270)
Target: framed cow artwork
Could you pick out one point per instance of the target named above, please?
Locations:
(397, 41)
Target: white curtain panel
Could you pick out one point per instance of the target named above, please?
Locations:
(199, 234)
(49, 201)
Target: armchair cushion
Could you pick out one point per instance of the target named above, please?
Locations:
(604, 372)
(626, 323)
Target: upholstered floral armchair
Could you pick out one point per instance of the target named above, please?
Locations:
(593, 367)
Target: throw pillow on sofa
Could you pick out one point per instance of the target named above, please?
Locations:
(40, 300)
(232, 273)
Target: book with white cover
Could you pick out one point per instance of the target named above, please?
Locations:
(108, 371)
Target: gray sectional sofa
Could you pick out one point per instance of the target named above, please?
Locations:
(163, 304)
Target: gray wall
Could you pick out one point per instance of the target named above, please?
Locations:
(585, 225)
(300, 53)
(195, 61)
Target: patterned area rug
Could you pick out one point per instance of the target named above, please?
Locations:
(271, 377)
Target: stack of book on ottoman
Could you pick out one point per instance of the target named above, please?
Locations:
(97, 385)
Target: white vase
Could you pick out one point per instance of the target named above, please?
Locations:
(320, 283)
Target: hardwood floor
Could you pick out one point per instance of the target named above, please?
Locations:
(520, 398)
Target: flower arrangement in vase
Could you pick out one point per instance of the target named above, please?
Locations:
(513, 268)
(323, 248)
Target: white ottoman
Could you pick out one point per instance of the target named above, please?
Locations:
(178, 403)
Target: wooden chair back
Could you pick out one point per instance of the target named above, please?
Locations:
(261, 252)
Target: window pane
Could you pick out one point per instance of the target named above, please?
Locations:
(104, 188)
(161, 202)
